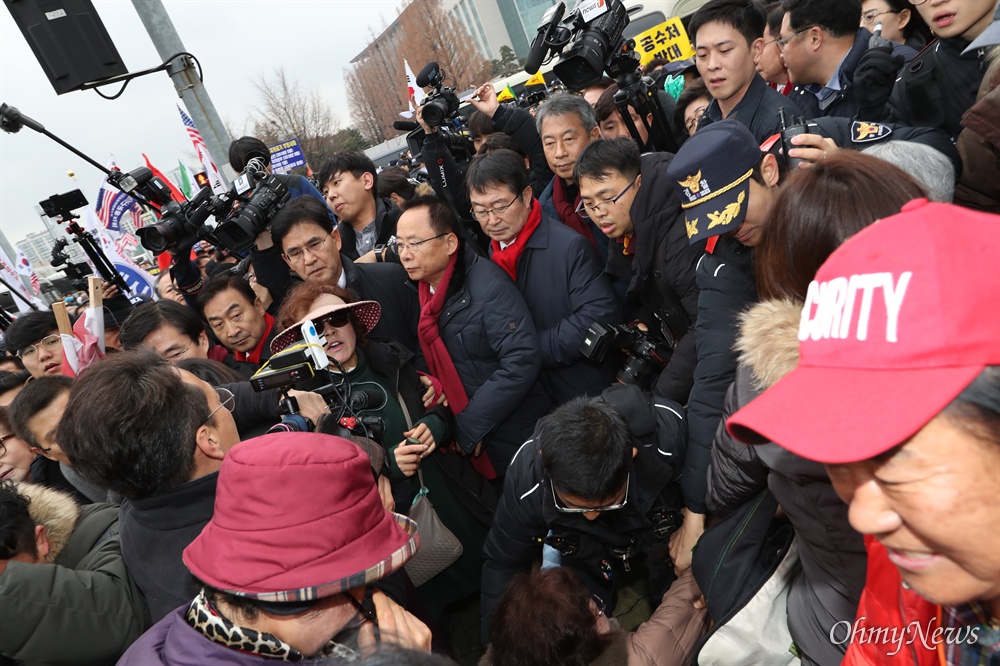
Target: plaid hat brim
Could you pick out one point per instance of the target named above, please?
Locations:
(390, 545)
(720, 212)
(844, 415)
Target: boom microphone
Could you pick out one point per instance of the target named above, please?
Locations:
(427, 74)
(404, 125)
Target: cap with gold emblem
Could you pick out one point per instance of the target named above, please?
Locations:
(711, 175)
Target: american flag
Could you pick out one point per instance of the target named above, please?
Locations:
(126, 243)
(214, 179)
(109, 199)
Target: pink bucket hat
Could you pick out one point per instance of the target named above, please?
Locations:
(367, 312)
(298, 517)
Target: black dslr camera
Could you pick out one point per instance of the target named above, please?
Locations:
(440, 109)
(647, 356)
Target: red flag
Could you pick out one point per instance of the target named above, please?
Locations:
(309, 171)
(174, 192)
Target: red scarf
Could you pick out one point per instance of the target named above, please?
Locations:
(254, 356)
(567, 210)
(507, 257)
(436, 354)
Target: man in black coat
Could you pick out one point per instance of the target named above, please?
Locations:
(821, 45)
(303, 239)
(728, 39)
(556, 270)
(478, 337)
(596, 482)
(632, 202)
(165, 464)
(349, 181)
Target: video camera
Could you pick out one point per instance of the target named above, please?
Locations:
(305, 367)
(589, 42)
(646, 355)
(76, 272)
(254, 199)
(440, 109)
(243, 212)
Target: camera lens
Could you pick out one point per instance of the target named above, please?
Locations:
(152, 238)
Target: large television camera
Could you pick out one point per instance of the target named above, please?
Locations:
(440, 109)
(589, 42)
(306, 367)
(243, 213)
(647, 356)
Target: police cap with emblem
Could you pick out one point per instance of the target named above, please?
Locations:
(711, 175)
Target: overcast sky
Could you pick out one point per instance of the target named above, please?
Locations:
(236, 43)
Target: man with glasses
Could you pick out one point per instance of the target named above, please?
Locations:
(728, 40)
(632, 203)
(34, 338)
(822, 45)
(556, 270)
(156, 435)
(476, 335)
(306, 241)
(595, 483)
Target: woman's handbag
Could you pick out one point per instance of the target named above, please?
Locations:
(745, 565)
(439, 548)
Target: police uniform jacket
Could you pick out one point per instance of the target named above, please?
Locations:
(598, 550)
(758, 110)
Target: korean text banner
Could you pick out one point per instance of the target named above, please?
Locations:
(669, 41)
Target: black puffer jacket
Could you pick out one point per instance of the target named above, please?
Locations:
(526, 512)
(492, 341)
(520, 126)
(937, 87)
(833, 556)
(725, 278)
(663, 270)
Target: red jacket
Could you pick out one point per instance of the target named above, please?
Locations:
(887, 604)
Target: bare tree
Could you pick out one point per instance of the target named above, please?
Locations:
(422, 32)
(286, 111)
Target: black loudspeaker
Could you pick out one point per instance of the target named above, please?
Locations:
(69, 41)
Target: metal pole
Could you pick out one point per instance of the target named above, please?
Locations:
(185, 76)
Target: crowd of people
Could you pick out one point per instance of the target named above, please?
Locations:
(753, 383)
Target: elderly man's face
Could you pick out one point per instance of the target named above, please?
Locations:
(932, 502)
(238, 323)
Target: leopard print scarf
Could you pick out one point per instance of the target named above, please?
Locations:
(206, 619)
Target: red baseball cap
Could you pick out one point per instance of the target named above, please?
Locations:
(899, 320)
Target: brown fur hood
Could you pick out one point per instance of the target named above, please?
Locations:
(56, 510)
(768, 343)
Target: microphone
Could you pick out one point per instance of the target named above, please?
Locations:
(405, 125)
(366, 399)
(539, 46)
(428, 74)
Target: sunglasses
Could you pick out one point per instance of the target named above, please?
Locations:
(337, 319)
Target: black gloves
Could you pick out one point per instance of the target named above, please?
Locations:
(873, 81)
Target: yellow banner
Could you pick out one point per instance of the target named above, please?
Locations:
(506, 94)
(536, 80)
(668, 40)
